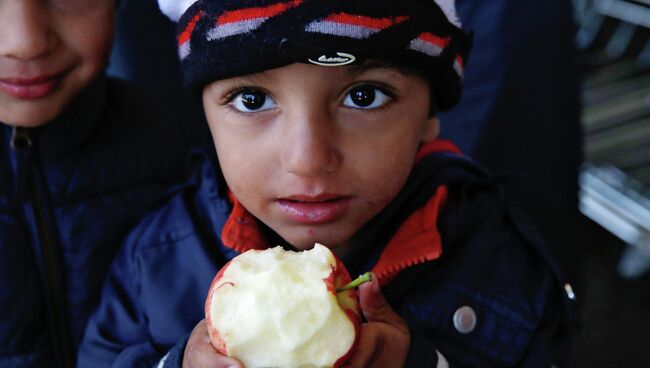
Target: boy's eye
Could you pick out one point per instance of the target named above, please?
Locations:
(366, 97)
(252, 101)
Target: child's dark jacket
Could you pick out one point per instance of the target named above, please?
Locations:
(491, 262)
(70, 190)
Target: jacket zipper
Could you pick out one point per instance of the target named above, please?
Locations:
(50, 252)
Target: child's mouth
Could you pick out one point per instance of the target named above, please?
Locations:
(311, 201)
(314, 210)
(30, 88)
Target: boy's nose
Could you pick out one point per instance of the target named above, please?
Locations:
(25, 29)
(310, 147)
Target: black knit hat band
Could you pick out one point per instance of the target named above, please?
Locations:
(223, 39)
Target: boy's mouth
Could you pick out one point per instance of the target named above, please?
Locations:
(31, 88)
(313, 210)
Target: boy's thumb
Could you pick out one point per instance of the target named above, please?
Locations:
(375, 307)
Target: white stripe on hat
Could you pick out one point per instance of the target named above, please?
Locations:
(449, 8)
(234, 28)
(341, 29)
(425, 47)
(458, 67)
(184, 50)
(174, 9)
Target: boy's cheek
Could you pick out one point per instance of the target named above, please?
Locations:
(89, 37)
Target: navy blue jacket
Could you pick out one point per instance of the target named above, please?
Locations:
(69, 192)
(491, 261)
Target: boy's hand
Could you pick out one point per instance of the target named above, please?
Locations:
(199, 352)
(385, 338)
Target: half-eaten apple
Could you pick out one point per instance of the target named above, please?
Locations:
(279, 308)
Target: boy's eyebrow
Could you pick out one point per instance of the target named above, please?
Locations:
(255, 78)
(356, 70)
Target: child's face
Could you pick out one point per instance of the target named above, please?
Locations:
(49, 51)
(315, 152)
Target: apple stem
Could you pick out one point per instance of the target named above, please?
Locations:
(366, 277)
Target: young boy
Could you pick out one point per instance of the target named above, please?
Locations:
(76, 171)
(323, 114)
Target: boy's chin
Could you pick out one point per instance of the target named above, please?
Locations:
(30, 114)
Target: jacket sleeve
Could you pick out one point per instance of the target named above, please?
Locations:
(117, 334)
(174, 358)
(494, 268)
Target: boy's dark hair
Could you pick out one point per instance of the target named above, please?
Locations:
(217, 39)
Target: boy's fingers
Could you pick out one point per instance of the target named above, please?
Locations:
(365, 350)
(375, 308)
(199, 352)
(380, 346)
(205, 357)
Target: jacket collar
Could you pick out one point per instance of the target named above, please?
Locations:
(75, 124)
(416, 241)
(241, 231)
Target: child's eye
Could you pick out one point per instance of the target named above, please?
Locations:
(252, 101)
(366, 97)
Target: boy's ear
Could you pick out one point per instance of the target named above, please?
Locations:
(431, 129)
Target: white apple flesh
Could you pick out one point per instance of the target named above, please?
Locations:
(277, 308)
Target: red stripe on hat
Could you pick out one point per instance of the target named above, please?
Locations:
(253, 13)
(433, 39)
(187, 32)
(459, 60)
(361, 20)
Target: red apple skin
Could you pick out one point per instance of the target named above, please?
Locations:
(213, 334)
(348, 300)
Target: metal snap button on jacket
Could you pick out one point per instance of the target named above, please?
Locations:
(569, 291)
(465, 319)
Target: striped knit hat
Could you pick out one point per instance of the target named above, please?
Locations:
(219, 39)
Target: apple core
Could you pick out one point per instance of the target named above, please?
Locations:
(278, 308)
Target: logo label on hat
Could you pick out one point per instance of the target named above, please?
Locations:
(340, 59)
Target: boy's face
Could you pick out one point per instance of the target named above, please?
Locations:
(49, 51)
(315, 152)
